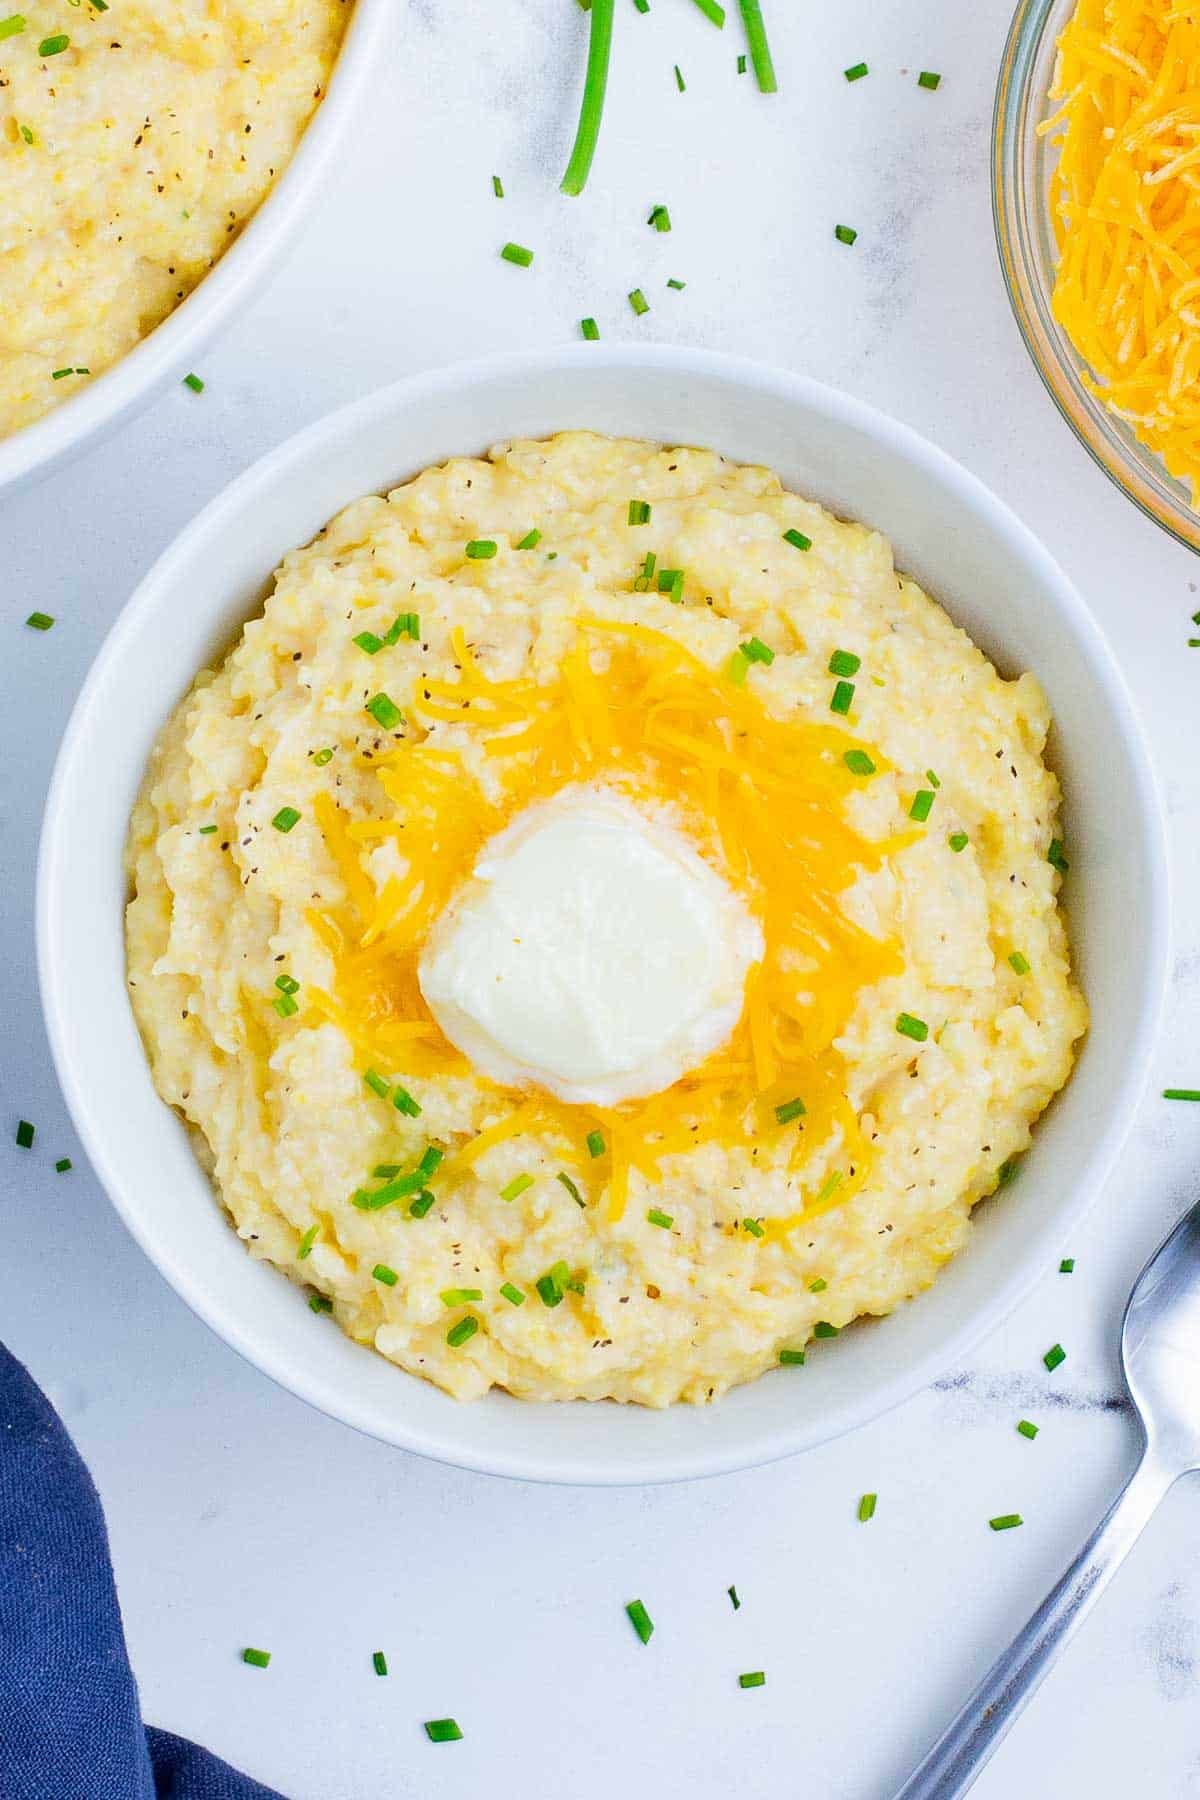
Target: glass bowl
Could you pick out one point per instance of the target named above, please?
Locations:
(1022, 163)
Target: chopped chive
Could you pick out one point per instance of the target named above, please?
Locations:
(285, 1006)
(741, 64)
(842, 698)
(512, 1294)
(194, 382)
(738, 668)
(754, 1227)
(431, 1157)
(574, 1192)
(519, 1185)
(638, 301)
(712, 12)
(27, 134)
(54, 46)
(58, 374)
(63, 1165)
(858, 762)
(909, 1027)
(321, 757)
(791, 1359)
(421, 1204)
(319, 1303)
(497, 187)
(845, 234)
(754, 650)
(643, 6)
(660, 218)
(932, 779)
(443, 1731)
(40, 621)
(642, 580)
(285, 818)
(459, 1296)
(592, 105)
(677, 285)
(481, 549)
(639, 512)
(957, 841)
(404, 1103)
(385, 1171)
(25, 1134)
(379, 1662)
(304, 1249)
(384, 711)
(922, 805)
(844, 662)
(855, 72)
(818, 1286)
(595, 1143)
(830, 1185)
(760, 50)
(866, 1508)
(382, 1273)
(1027, 1428)
(1006, 1521)
(207, 831)
(14, 23)
(928, 78)
(662, 1219)
(368, 642)
(517, 253)
(258, 1659)
(1181, 1093)
(789, 1110)
(1018, 963)
(752, 1679)
(1054, 1356)
(463, 1332)
(1007, 1171)
(680, 83)
(552, 1285)
(376, 1083)
(1067, 1266)
(1055, 856)
(590, 330)
(530, 541)
(823, 1329)
(733, 1598)
(797, 539)
(640, 1619)
(670, 583)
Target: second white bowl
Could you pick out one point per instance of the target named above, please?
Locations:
(950, 533)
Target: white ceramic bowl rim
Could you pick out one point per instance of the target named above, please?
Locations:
(451, 1436)
(171, 348)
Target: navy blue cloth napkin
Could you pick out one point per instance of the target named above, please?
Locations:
(70, 1724)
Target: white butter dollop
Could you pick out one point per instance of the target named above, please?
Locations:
(592, 952)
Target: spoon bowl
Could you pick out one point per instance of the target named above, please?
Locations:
(1160, 1354)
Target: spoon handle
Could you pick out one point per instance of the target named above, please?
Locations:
(968, 1741)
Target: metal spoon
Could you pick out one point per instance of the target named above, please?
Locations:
(1160, 1355)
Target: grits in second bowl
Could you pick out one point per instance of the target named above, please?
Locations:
(136, 140)
(600, 924)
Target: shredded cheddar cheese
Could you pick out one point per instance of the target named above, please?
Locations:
(1126, 201)
(633, 709)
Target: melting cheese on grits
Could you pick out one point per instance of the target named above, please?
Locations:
(593, 952)
(607, 980)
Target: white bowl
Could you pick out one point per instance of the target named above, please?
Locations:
(173, 347)
(953, 536)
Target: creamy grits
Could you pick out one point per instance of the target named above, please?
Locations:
(356, 892)
(136, 142)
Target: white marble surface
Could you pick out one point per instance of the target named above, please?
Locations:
(239, 1516)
